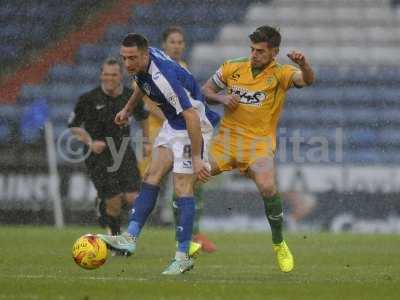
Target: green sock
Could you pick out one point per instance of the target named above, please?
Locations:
(274, 213)
(198, 194)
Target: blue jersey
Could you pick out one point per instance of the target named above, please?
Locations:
(174, 89)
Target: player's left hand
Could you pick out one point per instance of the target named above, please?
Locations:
(297, 57)
(201, 170)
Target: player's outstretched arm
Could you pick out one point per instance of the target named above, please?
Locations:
(211, 92)
(193, 127)
(306, 76)
(122, 118)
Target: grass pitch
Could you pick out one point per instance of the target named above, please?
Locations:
(36, 263)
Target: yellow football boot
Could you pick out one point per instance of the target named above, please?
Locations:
(194, 249)
(284, 257)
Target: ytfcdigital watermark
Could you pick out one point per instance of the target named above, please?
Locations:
(291, 146)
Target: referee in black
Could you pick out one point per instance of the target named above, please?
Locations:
(92, 122)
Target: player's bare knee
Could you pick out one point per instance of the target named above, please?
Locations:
(268, 189)
(183, 185)
(182, 190)
(153, 176)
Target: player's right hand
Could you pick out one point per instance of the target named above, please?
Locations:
(201, 170)
(98, 146)
(231, 101)
(122, 118)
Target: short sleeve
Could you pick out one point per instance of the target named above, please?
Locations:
(172, 90)
(286, 76)
(220, 78)
(79, 115)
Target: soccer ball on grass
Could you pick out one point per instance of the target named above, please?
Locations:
(89, 252)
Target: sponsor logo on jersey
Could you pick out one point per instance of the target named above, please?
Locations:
(248, 97)
(156, 75)
(235, 76)
(271, 82)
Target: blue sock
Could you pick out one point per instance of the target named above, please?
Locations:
(184, 228)
(141, 209)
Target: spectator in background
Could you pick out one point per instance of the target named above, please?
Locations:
(92, 122)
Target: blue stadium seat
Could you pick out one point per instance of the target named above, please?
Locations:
(116, 33)
(74, 74)
(363, 156)
(59, 128)
(38, 10)
(309, 134)
(390, 116)
(29, 92)
(88, 73)
(9, 10)
(61, 113)
(199, 14)
(388, 93)
(357, 75)
(389, 157)
(363, 115)
(321, 115)
(389, 136)
(9, 52)
(67, 93)
(200, 33)
(362, 136)
(151, 32)
(57, 92)
(9, 118)
(5, 132)
(9, 112)
(95, 53)
(144, 12)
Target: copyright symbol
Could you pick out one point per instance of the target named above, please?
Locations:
(70, 149)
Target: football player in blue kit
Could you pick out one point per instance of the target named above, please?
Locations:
(181, 145)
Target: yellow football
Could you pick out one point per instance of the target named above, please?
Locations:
(89, 252)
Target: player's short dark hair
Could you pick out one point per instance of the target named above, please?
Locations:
(135, 40)
(268, 35)
(110, 61)
(170, 30)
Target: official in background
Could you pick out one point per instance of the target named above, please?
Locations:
(115, 177)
